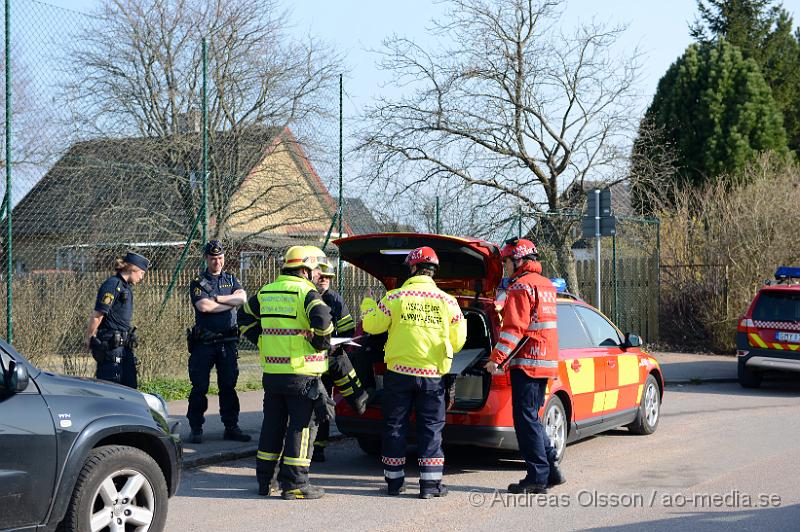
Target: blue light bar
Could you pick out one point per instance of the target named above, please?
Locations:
(787, 272)
(559, 283)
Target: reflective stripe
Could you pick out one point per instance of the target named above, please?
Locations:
(438, 461)
(534, 362)
(341, 382)
(298, 462)
(510, 337)
(388, 460)
(393, 474)
(543, 325)
(312, 304)
(263, 455)
(346, 392)
(324, 332)
(288, 360)
(283, 332)
(417, 372)
(304, 441)
(384, 309)
(503, 348)
(436, 475)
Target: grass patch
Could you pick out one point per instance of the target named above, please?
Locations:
(175, 389)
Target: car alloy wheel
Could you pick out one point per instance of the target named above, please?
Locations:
(651, 403)
(555, 423)
(123, 501)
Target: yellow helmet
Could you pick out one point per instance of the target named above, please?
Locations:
(302, 257)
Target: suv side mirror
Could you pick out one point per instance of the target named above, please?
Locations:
(16, 377)
(632, 340)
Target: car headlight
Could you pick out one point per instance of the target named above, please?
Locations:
(156, 403)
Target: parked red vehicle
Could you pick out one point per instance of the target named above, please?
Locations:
(604, 381)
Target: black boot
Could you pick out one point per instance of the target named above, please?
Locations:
(235, 434)
(196, 436)
(319, 453)
(556, 477)
(305, 492)
(526, 486)
(395, 486)
(431, 488)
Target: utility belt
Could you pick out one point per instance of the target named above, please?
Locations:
(105, 342)
(200, 336)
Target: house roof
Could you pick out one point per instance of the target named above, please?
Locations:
(359, 217)
(141, 188)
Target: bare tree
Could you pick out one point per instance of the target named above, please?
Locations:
(508, 104)
(141, 75)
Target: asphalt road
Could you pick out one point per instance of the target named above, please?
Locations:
(722, 458)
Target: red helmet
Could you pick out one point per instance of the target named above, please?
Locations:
(423, 255)
(518, 248)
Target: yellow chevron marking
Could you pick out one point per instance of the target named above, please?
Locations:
(605, 401)
(756, 339)
(639, 394)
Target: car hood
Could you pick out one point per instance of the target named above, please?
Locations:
(62, 385)
(466, 265)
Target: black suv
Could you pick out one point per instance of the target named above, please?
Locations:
(81, 454)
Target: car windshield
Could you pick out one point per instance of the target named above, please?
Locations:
(777, 306)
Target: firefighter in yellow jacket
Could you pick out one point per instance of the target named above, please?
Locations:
(294, 327)
(426, 327)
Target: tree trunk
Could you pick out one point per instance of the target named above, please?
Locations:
(566, 266)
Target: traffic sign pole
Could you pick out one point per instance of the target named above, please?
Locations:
(597, 236)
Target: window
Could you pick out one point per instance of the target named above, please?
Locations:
(603, 334)
(777, 306)
(571, 333)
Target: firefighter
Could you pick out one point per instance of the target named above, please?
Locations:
(292, 327)
(339, 364)
(529, 310)
(213, 341)
(426, 327)
(109, 334)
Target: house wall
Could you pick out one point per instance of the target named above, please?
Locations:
(283, 201)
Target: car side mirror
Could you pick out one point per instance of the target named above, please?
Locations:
(16, 377)
(632, 340)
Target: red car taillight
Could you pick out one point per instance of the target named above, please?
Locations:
(745, 325)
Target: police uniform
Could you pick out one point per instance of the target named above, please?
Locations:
(346, 379)
(113, 342)
(214, 343)
(426, 327)
(112, 346)
(292, 326)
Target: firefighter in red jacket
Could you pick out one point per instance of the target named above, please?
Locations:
(530, 310)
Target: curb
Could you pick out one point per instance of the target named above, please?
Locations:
(708, 380)
(191, 462)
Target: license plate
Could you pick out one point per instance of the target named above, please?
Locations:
(787, 337)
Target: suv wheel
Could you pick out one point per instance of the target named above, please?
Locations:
(649, 409)
(119, 488)
(748, 378)
(555, 424)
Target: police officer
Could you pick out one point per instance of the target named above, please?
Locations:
(109, 335)
(530, 310)
(426, 327)
(344, 326)
(213, 341)
(292, 327)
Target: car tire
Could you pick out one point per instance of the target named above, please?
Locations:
(106, 475)
(649, 412)
(748, 378)
(371, 446)
(556, 425)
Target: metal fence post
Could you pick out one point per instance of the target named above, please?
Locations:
(205, 143)
(8, 204)
(341, 181)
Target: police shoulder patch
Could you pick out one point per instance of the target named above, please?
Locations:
(108, 298)
(196, 291)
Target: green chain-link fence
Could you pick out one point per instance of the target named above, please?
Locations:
(153, 126)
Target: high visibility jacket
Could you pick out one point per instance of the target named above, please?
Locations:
(293, 320)
(425, 324)
(530, 310)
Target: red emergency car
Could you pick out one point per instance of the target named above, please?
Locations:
(768, 335)
(605, 380)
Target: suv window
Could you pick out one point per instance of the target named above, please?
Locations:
(571, 333)
(603, 334)
(777, 306)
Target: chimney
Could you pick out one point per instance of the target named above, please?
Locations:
(188, 122)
